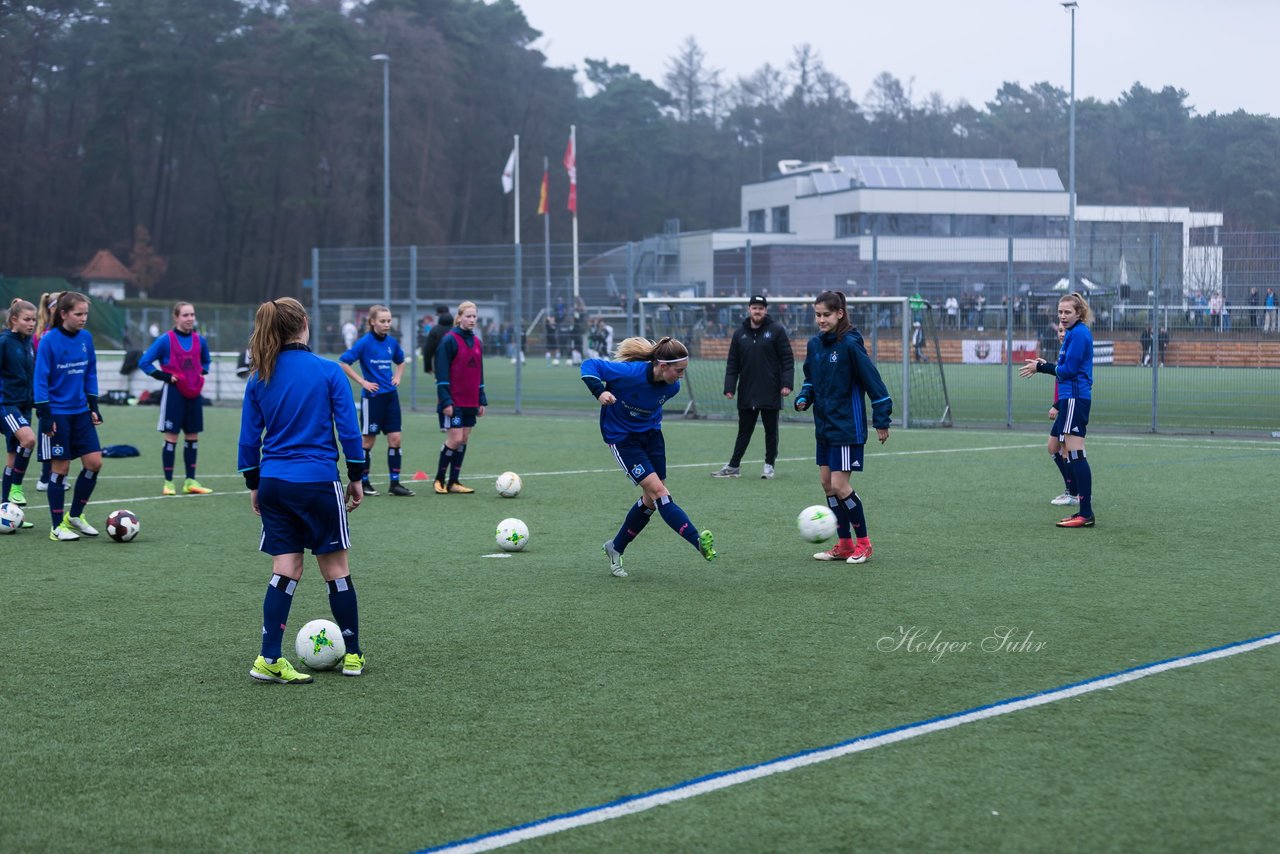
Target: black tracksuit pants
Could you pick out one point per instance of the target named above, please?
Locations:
(747, 426)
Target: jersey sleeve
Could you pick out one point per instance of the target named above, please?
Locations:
(871, 382)
(444, 362)
(344, 416)
(353, 354)
(206, 358)
(156, 353)
(252, 424)
(91, 373)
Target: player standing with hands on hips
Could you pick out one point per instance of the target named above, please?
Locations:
(761, 370)
(631, 391)
(838, 376)
(381, 361)
(1074, 373)
(293, 403)
(184, 360)
(66, 397)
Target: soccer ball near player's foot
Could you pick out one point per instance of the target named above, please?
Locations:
(508, 484)
(320, 645)
(11, 517)
(817, 524)
(122, 525)
(513, 535)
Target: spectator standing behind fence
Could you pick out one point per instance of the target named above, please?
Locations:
(184, 360)
(1253, 308)
(1146, 346)
(1269, 312)
(760, 370)
(444, 322)
(952, 305)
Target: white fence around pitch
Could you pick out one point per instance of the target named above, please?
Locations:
(221, 384)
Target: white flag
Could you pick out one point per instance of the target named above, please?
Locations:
(508, 173)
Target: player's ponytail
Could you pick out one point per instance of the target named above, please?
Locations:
(639, 349)
(16, 309)
(835, 301)
(277, 322)
(44, 314)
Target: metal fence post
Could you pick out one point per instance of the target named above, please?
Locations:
(1155, 334)
(1008, 416)
(746, 271)
(416, 330)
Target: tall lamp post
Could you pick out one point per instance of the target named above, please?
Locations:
(1071, 158)
(386, 176)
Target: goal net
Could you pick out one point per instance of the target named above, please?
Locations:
(908, 356)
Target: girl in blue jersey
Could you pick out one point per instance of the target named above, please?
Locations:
(381, 366)
(632, 391)
(17, 363)
(1074, 374)
(293, 403)
(838, 374)
(460, 397)
(183, 357)
(1057, 451)
(65, 387)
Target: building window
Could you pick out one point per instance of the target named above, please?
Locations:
(755, 221)
(781, 219)
(1207, 236)
(846, 225)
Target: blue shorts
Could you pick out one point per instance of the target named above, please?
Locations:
(180, 414)
(839, 457)
(297, 516)
(1073, 418)
(13, 419)
(380, 414)
(642, 454)
(73, 437)
(463, 416)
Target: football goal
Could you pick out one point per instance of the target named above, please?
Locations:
(908, 356)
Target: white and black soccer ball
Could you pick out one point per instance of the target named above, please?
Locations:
(123, 526)
(11, 517)
(512, 535)
(320, 645)
(817, 524)
(508, 484)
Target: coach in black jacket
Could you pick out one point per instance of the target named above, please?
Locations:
(760, 371)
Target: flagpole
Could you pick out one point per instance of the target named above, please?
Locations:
(519, 265)
(573, 140)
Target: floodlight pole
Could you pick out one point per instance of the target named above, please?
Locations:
(1071, 159)
(386, 176)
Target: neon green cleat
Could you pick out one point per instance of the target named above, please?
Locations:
(191, 486)
(706, 545)
(16, 496)
(168, 488)
(63, 533)
(353, 664)
(282, 671)
(81, 525)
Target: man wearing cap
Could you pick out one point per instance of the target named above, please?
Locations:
(760, 372)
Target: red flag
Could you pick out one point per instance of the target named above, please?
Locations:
(542, 194)
(570, 165)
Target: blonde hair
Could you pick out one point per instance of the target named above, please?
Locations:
(277, 322)
(463, 306)
(177, 306)
(374, 310)
(44, 314)
(67, 300)
(1081, 307)
(639, 349)
(16, 308)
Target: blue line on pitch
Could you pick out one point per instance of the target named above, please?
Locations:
(879, 733)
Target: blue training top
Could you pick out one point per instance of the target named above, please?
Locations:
(1075, 364)
(66, 373)
(285, 426)
(640, 398)
(838, 377)
(17, 361)
(378, 358)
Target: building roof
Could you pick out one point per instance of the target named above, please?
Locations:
(106, 267)
(925, 173)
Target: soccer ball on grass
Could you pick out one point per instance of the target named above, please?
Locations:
(508, 484)
(817, 524)
(512, 535)
(11, 517)
(320, 644)
(122, 526)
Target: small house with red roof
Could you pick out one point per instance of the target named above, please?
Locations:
(105, 277)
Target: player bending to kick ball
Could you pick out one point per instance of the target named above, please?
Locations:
(631, 392)
(838, 376)
(293, 403)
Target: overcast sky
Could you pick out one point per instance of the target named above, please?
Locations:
(1223, 54)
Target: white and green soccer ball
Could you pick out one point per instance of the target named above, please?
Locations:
(508, 484)
(11, 517)
(320, 644)
(817, 524)
(512, 535)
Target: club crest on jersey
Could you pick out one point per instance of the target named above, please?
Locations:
(768, 335)
(835, 357)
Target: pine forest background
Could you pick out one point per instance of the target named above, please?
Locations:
(228, 137)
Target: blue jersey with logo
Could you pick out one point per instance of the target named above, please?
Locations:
(838, 377)
(17, 361)
(66, 372)
(159, 352)
(287, 424)
(1075, 364)
(640, 398)
(378, 358)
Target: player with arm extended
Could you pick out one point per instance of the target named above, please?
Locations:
(631, 392)
(65, 389)
(17, 365)
(183, 360)
(293, 403)
(460, 397)
(381, 361)
(1074, 375)
(838, 377)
